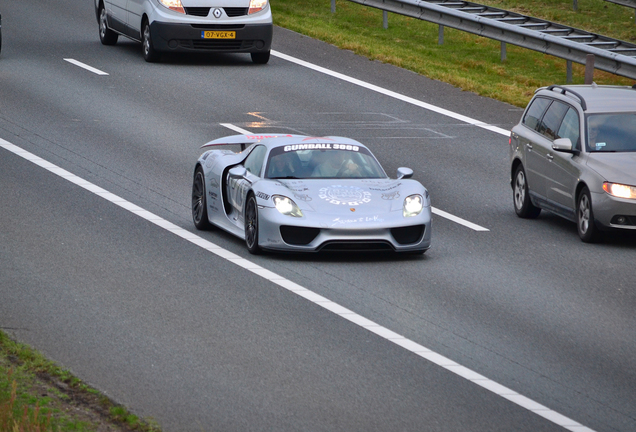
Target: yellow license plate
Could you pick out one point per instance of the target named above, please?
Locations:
(218, 35)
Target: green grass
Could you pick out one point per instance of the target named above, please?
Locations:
(469, 62)
(38, 396)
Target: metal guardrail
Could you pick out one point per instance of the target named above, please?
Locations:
(626, 3)
(611, 55)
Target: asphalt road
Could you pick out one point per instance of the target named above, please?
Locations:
(198, 342)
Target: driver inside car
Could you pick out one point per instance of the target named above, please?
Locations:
(280, 167)
(335, 164)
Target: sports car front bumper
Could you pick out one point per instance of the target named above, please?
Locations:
(384, 232)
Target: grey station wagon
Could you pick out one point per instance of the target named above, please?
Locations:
(574, 154)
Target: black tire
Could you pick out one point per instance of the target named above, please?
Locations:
(151, 55)
(106, 35)
(586, 226)
(260, 58)
(520, 196)
(251, 225)
(199, 201)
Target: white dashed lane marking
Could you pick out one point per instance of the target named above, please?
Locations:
(85, 66)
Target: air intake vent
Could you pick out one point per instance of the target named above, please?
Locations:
(408, 235)
(299, 236)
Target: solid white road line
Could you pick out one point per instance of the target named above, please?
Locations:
(236, 128)
(458, 220)
(317, 299)
(85, 66)
(392, 94)
(436, 211)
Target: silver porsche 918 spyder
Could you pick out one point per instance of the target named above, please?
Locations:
(299, 193)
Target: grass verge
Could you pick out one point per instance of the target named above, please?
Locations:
(469, 62)
(38, 396)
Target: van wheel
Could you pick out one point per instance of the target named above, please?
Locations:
(260, 58)
(150, 54)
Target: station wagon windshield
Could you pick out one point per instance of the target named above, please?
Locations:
(611, 132)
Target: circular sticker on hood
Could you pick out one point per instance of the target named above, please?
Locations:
(344, 195)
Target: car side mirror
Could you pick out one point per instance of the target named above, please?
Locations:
(238, 171)
(404, 172)
(562, 145)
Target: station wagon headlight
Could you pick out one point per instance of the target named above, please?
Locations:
(413, 205)
(256, 6)
(620, 190)
(286, 206)
(173, 5)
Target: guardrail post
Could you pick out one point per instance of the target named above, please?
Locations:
(385, 20)
(333, 6)
(440, 35)
(568, 73)
(575, 5)
(503, 51)
(589, 69)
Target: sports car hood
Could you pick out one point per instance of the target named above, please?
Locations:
(366, 196)
(619, 167)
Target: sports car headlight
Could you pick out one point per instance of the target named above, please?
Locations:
(286, 206)
(620, 190)
(174, 5)
(413, 205)
(257, 6)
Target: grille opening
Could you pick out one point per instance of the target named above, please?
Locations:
(218, 26)
(235, 11)
(299, 236)
(197, 11)
(408, 235)
(356, 246)
(216, 44)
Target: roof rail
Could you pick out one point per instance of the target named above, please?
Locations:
(568, 90)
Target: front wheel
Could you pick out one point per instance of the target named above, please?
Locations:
(151, 55)
(251, 226)
(588, 231)
(260, 58)
(199, 201)
(521, 198)
(106, 35)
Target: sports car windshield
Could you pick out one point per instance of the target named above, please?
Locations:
(329, 161)
(611, 132)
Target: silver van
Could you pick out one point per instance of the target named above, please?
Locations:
(230, 26)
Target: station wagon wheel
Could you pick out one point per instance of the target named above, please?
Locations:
(521, 198)
(587, 228)
(106, 35)
(199, 201)
(251, 225)
(150, 54)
